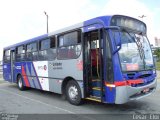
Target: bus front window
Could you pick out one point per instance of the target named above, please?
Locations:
(135, 53)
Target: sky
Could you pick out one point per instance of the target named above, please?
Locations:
(24, 19)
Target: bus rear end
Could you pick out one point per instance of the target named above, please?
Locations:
(134, 74)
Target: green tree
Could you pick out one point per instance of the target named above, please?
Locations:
(157, 52)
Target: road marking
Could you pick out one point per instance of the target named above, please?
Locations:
(7, 91)
(38, 101)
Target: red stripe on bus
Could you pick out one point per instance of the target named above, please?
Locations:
(25, 77)
(125, 83)
(136, 81)
(120, 83)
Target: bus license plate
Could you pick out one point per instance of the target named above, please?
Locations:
(146, 90)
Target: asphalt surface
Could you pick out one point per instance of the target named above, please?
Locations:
(32, 101)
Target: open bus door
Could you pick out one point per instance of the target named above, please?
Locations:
(93, 62)
(12, 65)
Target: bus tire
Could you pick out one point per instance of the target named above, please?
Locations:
(20, 83)
(73, 93)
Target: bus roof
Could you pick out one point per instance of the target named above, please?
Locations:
(76, 26)
(27, 41)
(87, 25)
(104, 20)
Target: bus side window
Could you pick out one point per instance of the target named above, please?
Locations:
(47, 49)
(32, 51)
(20, 53)
(6, 56)
(28, 53)
(52, 52)
(68, 45)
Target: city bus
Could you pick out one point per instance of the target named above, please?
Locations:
(107, 59)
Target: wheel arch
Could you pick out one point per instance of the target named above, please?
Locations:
(64, 83)
(19, 74)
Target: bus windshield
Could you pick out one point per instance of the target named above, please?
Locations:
(135, 53)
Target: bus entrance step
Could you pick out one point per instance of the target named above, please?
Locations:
(94, 98)
(96, 91)
(96, 83)
(96, 88)
(96, 80)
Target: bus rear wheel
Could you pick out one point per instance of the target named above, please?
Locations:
(73, 93)
(20, 83)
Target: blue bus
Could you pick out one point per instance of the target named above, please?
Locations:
(106, 59)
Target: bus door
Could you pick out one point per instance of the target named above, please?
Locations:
(12, 65)
(93, 62)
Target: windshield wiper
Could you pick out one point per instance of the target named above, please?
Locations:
(140, 46)
(142, 52)
(138, 42)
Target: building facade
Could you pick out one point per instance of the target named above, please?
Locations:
(157, 42)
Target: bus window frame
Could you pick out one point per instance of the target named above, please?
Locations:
(31, 52)
(19, 57)
(50, 48)
(4, 56)
(30, 44)
(79, 42)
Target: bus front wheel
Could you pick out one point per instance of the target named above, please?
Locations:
(73, 93)
(20, 83)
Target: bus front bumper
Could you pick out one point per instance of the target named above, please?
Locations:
(128, 93)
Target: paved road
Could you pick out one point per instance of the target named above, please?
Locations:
(33, 101)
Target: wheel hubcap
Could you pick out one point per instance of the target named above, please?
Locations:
(73, 92)
(20, 83)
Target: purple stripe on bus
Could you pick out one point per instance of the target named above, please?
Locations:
(36, 76)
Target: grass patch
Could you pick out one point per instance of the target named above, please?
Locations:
(158, 65)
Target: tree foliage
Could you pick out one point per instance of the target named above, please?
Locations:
(157, 53)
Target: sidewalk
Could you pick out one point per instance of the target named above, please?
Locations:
(1, 78)
(158, 76)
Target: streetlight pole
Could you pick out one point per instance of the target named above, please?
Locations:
(47, 20)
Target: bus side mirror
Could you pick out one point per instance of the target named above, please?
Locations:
(117, 40)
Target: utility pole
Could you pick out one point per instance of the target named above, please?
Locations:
(47, 20)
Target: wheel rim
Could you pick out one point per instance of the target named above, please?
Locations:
(20, 83)
(73, 92)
